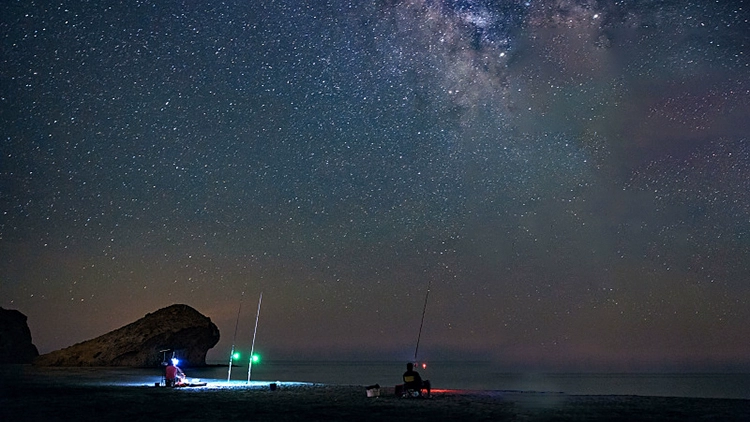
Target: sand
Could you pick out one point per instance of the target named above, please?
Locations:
(318, 402)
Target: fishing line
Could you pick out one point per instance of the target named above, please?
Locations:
(236, 324)
(252, 347)
(424, 310)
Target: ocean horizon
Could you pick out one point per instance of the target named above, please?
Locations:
(487, 376)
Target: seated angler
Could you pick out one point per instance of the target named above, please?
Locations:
(413, 381)
(174, 375)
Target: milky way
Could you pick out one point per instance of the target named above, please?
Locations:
(569, 177)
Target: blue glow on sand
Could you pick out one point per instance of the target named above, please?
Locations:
(210, 384)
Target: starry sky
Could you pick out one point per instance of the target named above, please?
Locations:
(570, 179)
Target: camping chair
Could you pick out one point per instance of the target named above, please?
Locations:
(414, 387)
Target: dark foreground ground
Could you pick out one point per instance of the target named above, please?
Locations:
(302, 403)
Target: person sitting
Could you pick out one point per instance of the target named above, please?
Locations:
(173, 374)
(413, 382)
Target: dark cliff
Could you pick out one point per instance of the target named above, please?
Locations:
(177, 328)
(15, 338)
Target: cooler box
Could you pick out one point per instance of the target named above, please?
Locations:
(373, 390)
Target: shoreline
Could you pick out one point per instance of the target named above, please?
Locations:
(701, 385)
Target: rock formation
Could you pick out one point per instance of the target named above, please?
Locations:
(177, 328)
(15, 338)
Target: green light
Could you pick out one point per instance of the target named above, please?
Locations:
(236, 356)
(256, 358)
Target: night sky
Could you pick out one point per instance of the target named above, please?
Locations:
(569, 178)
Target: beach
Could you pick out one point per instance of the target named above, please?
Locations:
(346, 403)
(56, 398)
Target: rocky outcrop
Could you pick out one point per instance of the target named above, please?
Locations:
(15, 338)
(177, 328)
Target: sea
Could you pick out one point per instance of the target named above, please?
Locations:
(482, 376)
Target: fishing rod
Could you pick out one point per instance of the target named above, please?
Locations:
(236, 324)
(252, 347)
(424, 310)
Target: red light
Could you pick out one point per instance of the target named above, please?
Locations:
(424, 366)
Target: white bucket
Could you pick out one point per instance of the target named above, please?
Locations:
(373, 392)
